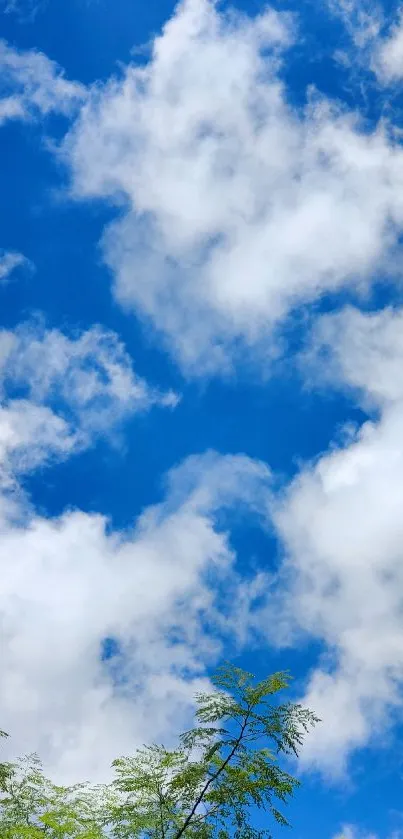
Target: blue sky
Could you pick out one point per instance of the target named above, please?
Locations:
(201, 378)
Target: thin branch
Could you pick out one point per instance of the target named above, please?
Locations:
(161, 803)
(212, 778)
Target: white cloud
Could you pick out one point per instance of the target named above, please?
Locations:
(360, 351)
(69, 389)
(341, 525)
(9, 260)
(167, 589)
(33, 85)
(388, 59)
(158, 589)
(362, 19)
(351, 831)
(31, 434)
(237, 208)
(377, 40)
(11, 107)
(26, 10)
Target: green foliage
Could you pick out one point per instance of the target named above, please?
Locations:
(224, 768)
(209, 787)
(31, 807)
(4, 767)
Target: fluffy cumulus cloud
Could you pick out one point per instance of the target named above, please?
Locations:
(361, 351)
(59, 392)
(105, 635)
(159, 598)
(237, 207)
(158, 590)
(32, 85)
(341, 524)
(234, 207)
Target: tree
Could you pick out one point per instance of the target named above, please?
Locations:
(4, 767)
(223, 770)
(209, 787)
(32, 807)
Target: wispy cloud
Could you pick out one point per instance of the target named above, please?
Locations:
(353, 831)
(389, 53)
(26, 10)
(376, 34)
(362, 19)
(9, 261)
(70, 389)
(33, 85)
